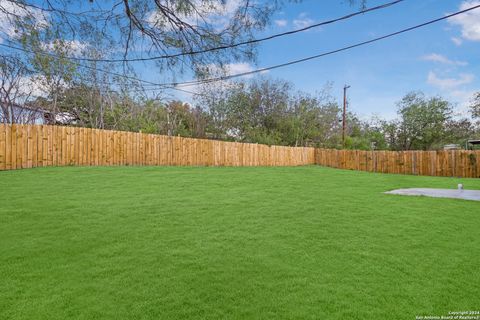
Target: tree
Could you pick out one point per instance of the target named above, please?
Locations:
(250, 111)
(87, 104)
(53, 75)
(422, 121)
(270, 111)
(15, 90)
(365, 135)
(475, 106)
(324, 118)
(158, 28)
(180, 34)
(389, 130)
(457, 131)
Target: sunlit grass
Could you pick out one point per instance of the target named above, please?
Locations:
(217, 243)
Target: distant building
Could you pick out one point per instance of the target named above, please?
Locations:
(451, 147)
(473, 144)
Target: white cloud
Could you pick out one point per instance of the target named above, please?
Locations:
(463, 96)
(241, 67)
(7, 25)
(435, 57)
(231, 69)
(464, 99)
(217, 71)
(37, 85)
(24, 87)
(449, 83)
(70, 47)
(302, 21)
(215, 13)
(455, 89)
(32, 85)
(457, 41)
(469, 21)
(212, 86)
(281, 23)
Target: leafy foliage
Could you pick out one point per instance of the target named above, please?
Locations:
(270, 112)
(475, 107)
(422, 121)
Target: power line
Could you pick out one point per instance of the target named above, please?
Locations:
(143, 89)
(204, 81)
(188, 91)
(196, 82)
(159, 86)
(135, 90)
(230, 46)
(51, 9)
(211, 49)
(194, 52)
(166, 88)
(79, 64)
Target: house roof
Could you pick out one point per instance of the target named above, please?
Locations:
(474, 141)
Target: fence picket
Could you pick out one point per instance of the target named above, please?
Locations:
(26, 146)
(3, 155)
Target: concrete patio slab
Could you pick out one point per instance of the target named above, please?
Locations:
(439, 193)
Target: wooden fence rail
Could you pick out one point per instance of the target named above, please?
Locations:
(28, 146)
(455, 163)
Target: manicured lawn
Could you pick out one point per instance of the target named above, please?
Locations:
(233, 243)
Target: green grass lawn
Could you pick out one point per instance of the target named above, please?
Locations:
(233, 243)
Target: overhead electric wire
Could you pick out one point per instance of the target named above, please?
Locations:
(204, 81)
(110, 73)
(163, 88)
(223, 78)
(196, 82)
(74, 59)
(51, 9)
(156, 88)
(82, 65)
(234, 45)
(253, 41)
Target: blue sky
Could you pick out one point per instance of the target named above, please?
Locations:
(440, 59)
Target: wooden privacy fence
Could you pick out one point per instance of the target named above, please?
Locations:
(28, 146)
(455, 163)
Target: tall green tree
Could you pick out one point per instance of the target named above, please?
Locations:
(271, 112)
(422, 121)
(144, 27)
(475, 106)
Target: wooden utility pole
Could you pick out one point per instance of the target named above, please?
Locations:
(344, 119)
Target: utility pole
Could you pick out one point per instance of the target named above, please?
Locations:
(344, 119)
